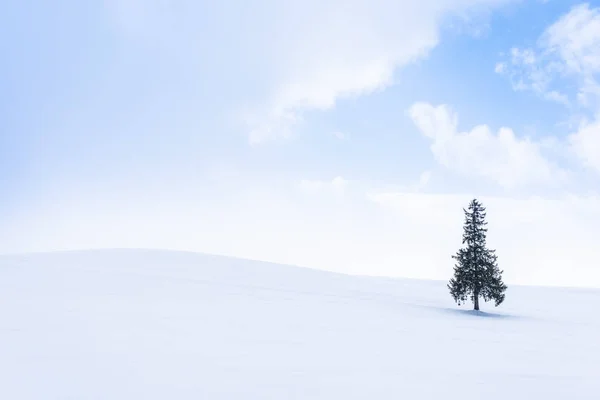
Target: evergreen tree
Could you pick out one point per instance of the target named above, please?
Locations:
(476, 272)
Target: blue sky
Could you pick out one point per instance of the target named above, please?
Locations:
(338, 135)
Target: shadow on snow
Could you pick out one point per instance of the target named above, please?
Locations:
(480, 314)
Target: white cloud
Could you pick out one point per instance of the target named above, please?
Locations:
(574, 44)
(585, 143)
(281, 59)
(501, 157)
(569, 48)
(337, 184)
(557, 97)
(500, 68)
(526, 72)
(324, 51)
(575, 39)
(568, 54)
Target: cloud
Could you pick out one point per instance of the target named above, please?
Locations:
(282, 59)
(502, 157)
(585, 143)
(575, 39)
(316, 53)
(573, 45)
(567, 49)
(353, 50)
(337, 184)
(527, 73)
(500, 68)
(567, 54)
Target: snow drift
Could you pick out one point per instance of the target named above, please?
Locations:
(132, 324)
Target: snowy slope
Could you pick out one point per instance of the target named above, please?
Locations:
(126, 324)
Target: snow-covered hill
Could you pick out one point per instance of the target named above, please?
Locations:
(125, 324)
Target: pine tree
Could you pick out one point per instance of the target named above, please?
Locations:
(476, 272)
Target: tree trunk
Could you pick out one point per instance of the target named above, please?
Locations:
(476, 305)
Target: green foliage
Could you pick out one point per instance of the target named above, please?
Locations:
(476, 272)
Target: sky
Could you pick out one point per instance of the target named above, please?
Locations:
(339, 135)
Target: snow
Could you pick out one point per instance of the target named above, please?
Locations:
(137, 324)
